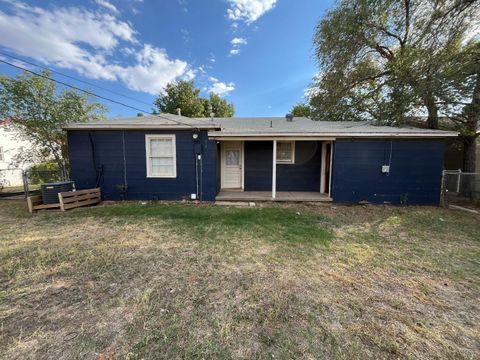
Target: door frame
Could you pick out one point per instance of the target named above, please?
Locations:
(242, 165)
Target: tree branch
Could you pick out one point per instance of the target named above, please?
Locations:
(407, 23)
(368, 78)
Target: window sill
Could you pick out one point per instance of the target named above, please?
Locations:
(161, 176)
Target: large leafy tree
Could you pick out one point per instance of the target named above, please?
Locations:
(181, 95)
(301, 110)
(38, 110)
(217, 106)
(387, 61)
(185, 96)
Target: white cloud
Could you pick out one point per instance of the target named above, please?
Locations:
(133, 6)
(58, 37)
(152, 71)
(238, 41)
(236, 44)
(107, 5)
(248, 10)
(220, 88)
(183, 5)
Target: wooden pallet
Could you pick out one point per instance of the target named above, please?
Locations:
(66, 200)
(74, 199)
(35, 202)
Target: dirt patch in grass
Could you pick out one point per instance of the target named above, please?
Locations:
(293, 281)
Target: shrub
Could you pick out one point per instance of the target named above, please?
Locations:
(44, 172)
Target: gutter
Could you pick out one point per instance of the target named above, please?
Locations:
(326, 136)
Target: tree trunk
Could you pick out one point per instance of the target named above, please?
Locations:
(432, 108)
(470, 154)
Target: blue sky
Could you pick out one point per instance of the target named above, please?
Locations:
(256, 53)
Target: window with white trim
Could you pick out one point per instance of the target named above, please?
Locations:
(285, 152)
(161, 156)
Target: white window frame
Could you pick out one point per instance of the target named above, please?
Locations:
(148, 138)
(292, 161)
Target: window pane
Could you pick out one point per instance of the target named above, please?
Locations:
(161, 156)
(162, 170)
(232, 157)
(161, 147)
(284, 151)
(162, 161)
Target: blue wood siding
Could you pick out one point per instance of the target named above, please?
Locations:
(109, 163)
(258, 165)
(414, 178)
(304, 175)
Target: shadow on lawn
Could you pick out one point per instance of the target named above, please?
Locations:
(208, 222)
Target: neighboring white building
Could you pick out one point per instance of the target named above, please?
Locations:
(11, 145)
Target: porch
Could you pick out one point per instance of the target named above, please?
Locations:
(275, 170)
(293, 196)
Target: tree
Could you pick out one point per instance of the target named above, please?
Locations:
(39, 111)
(181, 95)
(218, 106)
(387, 60)
(184, 96)
(460, 102)
(301, 110)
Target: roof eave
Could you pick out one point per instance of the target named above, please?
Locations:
(140, 127)
(219, 135)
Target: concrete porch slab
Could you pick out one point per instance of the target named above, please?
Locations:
(293, 196)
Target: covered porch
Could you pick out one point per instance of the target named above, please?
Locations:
(276, 169)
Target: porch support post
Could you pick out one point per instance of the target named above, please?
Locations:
(323, 167)
(274, 170)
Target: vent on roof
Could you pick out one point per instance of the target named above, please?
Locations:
(139, 114)
(289, 117)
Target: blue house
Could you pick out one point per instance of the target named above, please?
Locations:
(170, 157)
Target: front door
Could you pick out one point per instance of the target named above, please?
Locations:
(232, 160)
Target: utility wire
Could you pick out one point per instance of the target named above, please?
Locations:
(96, 95)
(72, 77)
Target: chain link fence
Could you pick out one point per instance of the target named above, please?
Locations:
(461, 188)
(11, 182)
(19, 183)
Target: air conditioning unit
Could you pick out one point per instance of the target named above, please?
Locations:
(50, 191)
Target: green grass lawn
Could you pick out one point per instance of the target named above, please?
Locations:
(174, 281)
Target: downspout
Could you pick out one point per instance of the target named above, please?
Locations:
(125, 184)
(196, 174)
(201, 176)
(98, 175)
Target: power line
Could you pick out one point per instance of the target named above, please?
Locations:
(73, 78)
(96, 95)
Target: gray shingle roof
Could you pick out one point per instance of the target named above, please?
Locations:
(260, 126)
(301, 126)
(160, 121)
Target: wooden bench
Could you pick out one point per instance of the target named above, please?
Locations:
(66, 200)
